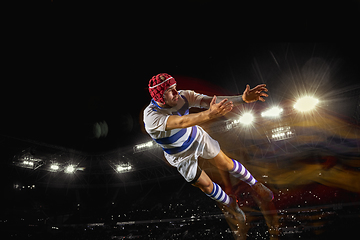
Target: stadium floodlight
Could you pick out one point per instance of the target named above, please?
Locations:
(70, 169)
(144, 146)
(54, 167)
(306, 103)
(247, 118)
(282, 133)
(28, 163)
(272, 112)
(123, 168)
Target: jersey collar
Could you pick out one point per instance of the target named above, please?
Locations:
(155, 103)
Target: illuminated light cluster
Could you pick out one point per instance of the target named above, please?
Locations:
(144, 146)
(282, 133)
(28, 163)
(272, 112)
(280, 129)
(123, 168)
(247, 118)
(54, 167)
(281, 136)
(70, 169)
(22, 187)
(67, 168)
(306, 103)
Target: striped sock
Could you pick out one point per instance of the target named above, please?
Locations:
(219, 195)
(240, 172)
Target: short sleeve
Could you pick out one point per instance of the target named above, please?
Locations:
(155, 121)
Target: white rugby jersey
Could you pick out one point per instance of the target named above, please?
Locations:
(172, 141)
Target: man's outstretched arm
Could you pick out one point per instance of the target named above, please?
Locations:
(249, 95)
(215, 110)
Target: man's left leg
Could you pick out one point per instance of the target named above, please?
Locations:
(215, 192)
(237, 170)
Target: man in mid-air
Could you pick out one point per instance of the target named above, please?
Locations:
(168, 122)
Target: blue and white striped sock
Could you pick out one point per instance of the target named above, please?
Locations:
(219, 195)
(240, 172)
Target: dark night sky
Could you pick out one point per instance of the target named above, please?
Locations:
(69, 69)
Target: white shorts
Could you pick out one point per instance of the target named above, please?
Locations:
(187, 162)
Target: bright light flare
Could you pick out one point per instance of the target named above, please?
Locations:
(306, 103)
(272, 112)
(28, 163)
(246, 118)
(70, 169)
(54, 167)
(145, 145)
(124, 168)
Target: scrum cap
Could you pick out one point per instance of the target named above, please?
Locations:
(159, 84)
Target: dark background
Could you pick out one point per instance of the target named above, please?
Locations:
(69, 65)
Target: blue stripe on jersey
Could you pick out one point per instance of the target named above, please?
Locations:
(185, 145)
(171, 139)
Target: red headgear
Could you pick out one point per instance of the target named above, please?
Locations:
(158, 85)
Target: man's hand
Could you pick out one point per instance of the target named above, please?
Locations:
(252, 95)
(219, 109)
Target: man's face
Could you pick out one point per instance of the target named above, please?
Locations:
(171, 96)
